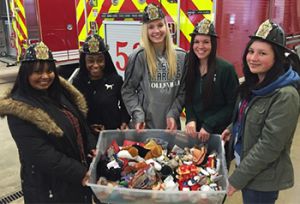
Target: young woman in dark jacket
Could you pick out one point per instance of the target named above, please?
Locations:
(101, 85)
(46, 118)
(211, 85)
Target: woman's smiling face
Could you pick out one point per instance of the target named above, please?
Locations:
(260, 58)
(95, 64)
(42, 77)
(157, 31)
(202, 46)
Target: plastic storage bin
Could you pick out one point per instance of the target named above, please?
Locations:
(125, 195)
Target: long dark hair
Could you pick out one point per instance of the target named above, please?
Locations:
(193, 64)
(294, 61)
(109, 65)
(251, 80)
(23, 87)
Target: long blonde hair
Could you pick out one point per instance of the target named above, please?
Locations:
(151, 56)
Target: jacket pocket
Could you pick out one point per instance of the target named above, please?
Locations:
(256, 114)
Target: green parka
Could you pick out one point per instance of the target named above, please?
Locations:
(268, 132)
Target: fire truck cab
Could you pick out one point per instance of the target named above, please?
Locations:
(29, 21)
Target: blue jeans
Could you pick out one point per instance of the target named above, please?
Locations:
(259, 197)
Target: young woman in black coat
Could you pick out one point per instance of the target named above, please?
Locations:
(46, 118)
(101, 85)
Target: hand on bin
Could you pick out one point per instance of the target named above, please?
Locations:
(92, 153)
(171, 124)
(231, 190)
(124, 126)
(140, 126)
(203, 135)
(86, 178)
(226, 134)
(190, 128)
(97, 128)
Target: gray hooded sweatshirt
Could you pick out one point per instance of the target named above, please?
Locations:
(153, 100)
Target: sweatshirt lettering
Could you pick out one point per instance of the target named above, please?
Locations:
(161, 85)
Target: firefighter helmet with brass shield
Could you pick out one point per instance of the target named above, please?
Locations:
(94, 44)
(272, 33)
(204, 27)
(152, 12)
(37, 51)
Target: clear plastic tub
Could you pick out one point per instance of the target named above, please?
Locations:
(125, 195)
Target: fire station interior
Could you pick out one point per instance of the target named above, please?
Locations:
(4, 33)
(235, 21)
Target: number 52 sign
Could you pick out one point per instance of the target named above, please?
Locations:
(122, 38)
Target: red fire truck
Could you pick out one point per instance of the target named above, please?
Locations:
(64, 24)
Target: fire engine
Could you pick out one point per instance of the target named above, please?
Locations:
(64, 24)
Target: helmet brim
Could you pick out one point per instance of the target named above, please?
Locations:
(194, 33)
(271, 42)
(93, 53)
(35, 60)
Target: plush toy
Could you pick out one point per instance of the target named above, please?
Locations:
(144, 178)
(155, 150)
(199, 154)
(111, 173)
(211, 160)
(148, 151)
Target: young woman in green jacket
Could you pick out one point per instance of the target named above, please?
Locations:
(211, 85)
(265, 118)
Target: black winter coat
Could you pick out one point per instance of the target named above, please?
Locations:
(104, 100)
(51, 166)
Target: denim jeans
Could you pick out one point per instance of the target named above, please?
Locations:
(259, 197)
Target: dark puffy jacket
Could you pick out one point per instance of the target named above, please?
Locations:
(51, 166)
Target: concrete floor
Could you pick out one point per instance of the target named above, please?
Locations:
(9, 172)
(9, 162)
